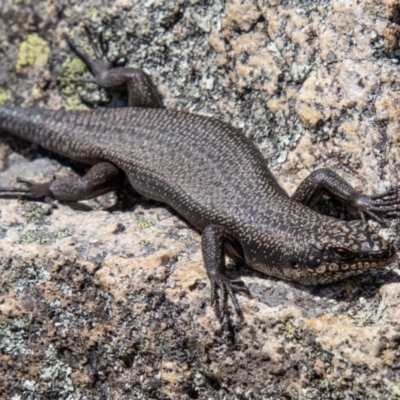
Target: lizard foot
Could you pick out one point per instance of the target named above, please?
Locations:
(378, 206)
(100, 65)
(33, 191)
(115, 78)
(227, 287)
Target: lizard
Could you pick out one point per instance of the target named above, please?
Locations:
(210, 174)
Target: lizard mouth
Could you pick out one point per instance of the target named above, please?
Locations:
(387, 256)
(371, 261)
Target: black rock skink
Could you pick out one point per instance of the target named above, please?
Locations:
(211, 175)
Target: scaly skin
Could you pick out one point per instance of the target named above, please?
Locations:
(213, 176)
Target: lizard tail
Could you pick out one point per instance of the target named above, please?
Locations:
(24, 122)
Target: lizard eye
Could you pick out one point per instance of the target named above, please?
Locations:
(342, 254)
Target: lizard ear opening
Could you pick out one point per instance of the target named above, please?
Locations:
(294, 264)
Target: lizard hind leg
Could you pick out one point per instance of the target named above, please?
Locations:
(324, 181)
(141, 90)
(101, 178)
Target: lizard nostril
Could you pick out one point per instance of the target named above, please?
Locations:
(392, 251)
(389, 254)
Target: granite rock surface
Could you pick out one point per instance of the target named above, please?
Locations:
(108, 298)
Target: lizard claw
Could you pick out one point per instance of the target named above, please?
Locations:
(33, 191)
(226, 287)
(378, 206)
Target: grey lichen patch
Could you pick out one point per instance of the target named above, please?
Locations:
(43, 236)
(56, 369)
(33, 51)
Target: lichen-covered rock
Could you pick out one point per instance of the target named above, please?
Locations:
(109, 298)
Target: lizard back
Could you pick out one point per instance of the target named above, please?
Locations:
(191, 162)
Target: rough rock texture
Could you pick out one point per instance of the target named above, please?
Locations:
(109, 299)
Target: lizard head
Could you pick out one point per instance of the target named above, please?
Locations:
(338, 251)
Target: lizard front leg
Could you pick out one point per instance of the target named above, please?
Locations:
(140, 88)
(326, 181)
(213, 243)
(101, 178)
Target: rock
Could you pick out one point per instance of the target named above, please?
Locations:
(109, 297)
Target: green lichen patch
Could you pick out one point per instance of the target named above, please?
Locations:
(370, 11)
(3, 96)
(144, 242)
(36, 213)
(74, 68)
(74, 103)
(290, 330)
(144, 224)
(144, 346)
(33, 51)
(92, 12)
(43, 236)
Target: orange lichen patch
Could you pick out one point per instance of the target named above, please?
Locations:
(50, 291)
(278, 104)
(310, 101)
(87, 266)
(92, 336)
(12, 305)
(273, 28)
(274, 350)
(309, 116)
(390, 294)
(80, 378)
(173, 376)
(261, 62)
(350, 130)
(216, 41)
(119, 276)
(327, 42)
(6, 358)
(319, 366)
(362, 345)
(10, 214)
(387, 107)
(326, 93)
(251, 43)
(222, 60)
(356, 81)
(240, 13)
(189, 274)
(182, 285)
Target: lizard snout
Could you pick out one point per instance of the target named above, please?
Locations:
(388, 255)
